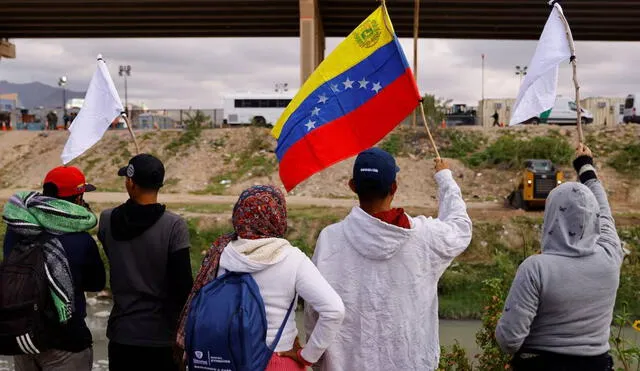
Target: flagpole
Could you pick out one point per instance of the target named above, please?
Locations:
(133, 136)
(574, 66)
(416, 23)
(426, 125)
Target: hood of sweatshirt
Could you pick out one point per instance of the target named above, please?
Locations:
(571, 221)
(130, 219)
(249, 256)
(373, 238)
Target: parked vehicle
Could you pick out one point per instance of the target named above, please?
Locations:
(534, 183)
(563, 112)
(255, 108)
(460, 114)
(631, 109)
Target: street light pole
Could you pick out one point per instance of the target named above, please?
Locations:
(62, 81)
(124, 72)
(521, 71)
(483, 78)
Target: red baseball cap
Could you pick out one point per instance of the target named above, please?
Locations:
(69, 180)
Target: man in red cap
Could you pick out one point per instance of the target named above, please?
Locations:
(67, 183)
(72, 349)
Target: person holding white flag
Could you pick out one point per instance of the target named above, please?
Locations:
(101, 106)
(538, 91)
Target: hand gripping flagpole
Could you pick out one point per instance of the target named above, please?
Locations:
(572, 47)
(133, 136)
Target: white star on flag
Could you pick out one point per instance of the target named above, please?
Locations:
(363, 83)
(310, 125)
(315, 111)
(323, 99)
(348, 84)
(335, 88)
(376, 87)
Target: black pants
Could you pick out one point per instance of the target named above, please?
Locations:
(135, 358)
(534, 360)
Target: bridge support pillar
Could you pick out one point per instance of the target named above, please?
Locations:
(7, 49)
(312, 42)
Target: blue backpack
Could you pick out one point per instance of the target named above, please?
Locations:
(227, 326)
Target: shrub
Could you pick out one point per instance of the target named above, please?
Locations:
(627, 160)
(392, 144)
(460, 144)
(455, 359)
(509, 151)
(189, 136)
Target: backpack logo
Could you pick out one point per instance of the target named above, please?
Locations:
(198, 354)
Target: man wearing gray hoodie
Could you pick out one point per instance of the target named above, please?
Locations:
(558, 313)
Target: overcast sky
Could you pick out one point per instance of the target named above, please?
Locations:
(179, 73)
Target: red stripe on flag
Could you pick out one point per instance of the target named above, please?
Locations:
(350, 134)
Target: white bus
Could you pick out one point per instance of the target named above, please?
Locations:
(258, 108)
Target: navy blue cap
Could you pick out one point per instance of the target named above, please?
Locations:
(377, 167)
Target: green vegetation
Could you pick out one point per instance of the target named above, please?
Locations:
(627, 159)
(194, 125)
(460, 144)
(252, 161)
(509, 151)
(305, 224)
(435, 109)
(392, 144)
(201, 239)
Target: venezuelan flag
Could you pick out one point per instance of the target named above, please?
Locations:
(357, 95)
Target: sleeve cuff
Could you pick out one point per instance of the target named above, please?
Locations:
(301, 358)
(579, 162)
(584, 167)
(587, 175)
(443, 175)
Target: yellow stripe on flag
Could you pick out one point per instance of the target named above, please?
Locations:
(372, 34)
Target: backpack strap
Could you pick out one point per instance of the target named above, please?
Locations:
(284, 323)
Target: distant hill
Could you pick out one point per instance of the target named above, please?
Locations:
(36, 94)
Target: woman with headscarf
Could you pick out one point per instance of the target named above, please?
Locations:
(558, 313)
(257, 246)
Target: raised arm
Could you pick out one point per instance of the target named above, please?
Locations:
(609, 239)
(452, 234)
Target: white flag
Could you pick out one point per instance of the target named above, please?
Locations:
(101, 106)
(538, 91)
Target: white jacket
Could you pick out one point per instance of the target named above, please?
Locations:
(387, 277)
(281, 271)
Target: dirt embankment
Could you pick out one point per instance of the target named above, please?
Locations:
(225, 161)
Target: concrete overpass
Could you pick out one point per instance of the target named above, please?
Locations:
(311, 20)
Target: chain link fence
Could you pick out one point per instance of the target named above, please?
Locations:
(154, 119)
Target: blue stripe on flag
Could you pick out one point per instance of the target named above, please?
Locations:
(343, 94)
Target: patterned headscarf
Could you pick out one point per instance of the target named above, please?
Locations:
(260, 212)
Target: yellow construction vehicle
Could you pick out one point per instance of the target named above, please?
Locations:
(534, 184)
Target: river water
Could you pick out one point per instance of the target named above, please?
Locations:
(98, 313)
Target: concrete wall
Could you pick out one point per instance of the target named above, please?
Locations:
(605, 110)
(487, 107)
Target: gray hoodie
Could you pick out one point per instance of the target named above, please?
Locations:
(562, 300)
